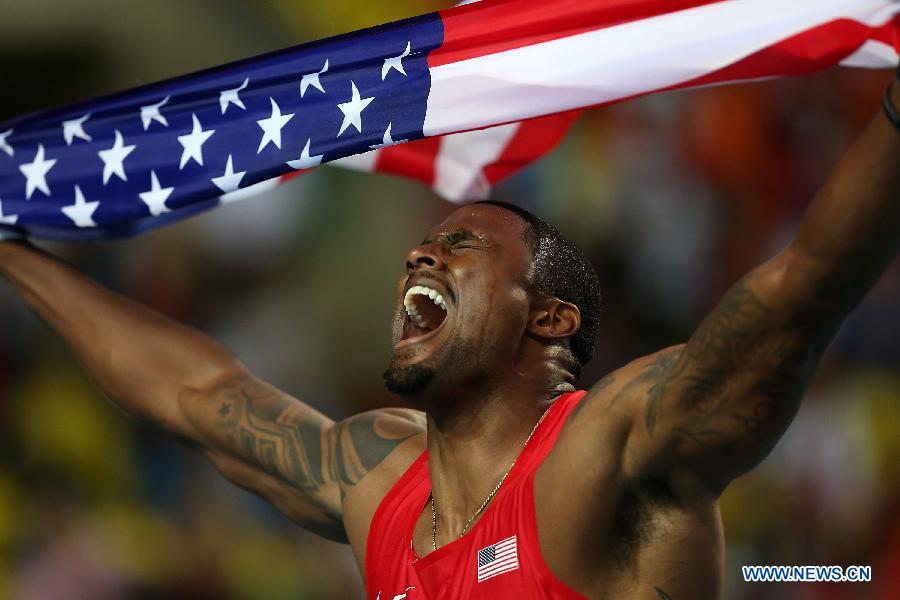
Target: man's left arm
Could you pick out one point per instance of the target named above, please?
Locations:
(720, 403)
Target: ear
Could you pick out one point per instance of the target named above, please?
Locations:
(551, 318)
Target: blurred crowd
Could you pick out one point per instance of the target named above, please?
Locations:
(674, 198)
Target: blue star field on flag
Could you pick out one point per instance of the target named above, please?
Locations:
(123, 164)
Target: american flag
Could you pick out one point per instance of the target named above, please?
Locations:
(126, 163)
(498, 558)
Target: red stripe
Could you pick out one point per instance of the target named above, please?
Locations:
(815, 49)
(889, 33)
(290, 176)
(413, 159)
(510, 564)
(533, 139)
(507, 564)
(812, 50)
(492, 26)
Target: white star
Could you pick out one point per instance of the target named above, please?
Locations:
(353, 110)
(305, 161)
(82, 212)
(3, 143)
(151, 113)
(395, 62)
(230, 181)
(193, 143)
(231, 97)
(386, 140)
(272, 127)
(75, 129)
(312, 79)
(35, 173)
(114, 157)
(155, 198)
(7, 219)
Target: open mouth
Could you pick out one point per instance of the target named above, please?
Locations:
(426, 311)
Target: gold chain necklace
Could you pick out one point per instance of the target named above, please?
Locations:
(490, 496)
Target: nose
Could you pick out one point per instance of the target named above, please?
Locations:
(423, 257)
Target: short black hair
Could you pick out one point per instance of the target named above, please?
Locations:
(560, 269)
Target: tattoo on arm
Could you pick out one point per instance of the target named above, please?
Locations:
(722, 341)
(595, 392)
(295, 443)
(363, 442)
(656, 373)
(652, 375)
(275, 432)
(736, 384)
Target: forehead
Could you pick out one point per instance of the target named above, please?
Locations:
(491, 222)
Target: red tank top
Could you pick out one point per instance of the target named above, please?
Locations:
(499, 558)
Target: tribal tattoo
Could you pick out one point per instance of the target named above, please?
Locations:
(364, 442)
(296, 444)
(656, 374)
(275, 432)
(601, 385)
(736, 385)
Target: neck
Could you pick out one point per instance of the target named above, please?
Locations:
(472, 444)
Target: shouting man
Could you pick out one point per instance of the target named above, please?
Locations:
(504, 481)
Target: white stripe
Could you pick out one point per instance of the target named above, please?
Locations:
(872, 55)
(358, 162)
(616, 62)
(510, 540)
(505, 544)
(501, 566)
(500, 563)
(506, 567)
(457, 168)
(250, 191)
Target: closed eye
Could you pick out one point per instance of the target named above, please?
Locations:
(460, 238)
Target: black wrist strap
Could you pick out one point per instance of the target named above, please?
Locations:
(890, 110)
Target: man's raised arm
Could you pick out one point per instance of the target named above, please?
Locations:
(162, 371)
(716, 406)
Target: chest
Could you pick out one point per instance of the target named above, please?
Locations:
(498, 558)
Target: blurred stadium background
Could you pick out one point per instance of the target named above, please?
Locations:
(674, 197)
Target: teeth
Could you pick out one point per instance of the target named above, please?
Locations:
(421, 290)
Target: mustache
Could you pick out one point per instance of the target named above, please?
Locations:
(432, 277)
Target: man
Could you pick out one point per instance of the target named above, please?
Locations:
(505, 482)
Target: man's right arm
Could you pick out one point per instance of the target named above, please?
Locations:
(159, 370)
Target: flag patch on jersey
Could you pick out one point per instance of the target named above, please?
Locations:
(498, 558)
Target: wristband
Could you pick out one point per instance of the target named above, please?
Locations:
(890, 110)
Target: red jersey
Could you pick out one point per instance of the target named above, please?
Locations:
(498, 558)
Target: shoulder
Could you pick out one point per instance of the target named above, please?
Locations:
(376, 442)
(583, 499)
(631, 391)
(372, 452)
(594, 435)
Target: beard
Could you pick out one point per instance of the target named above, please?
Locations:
(405, 381)
(454, 362)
